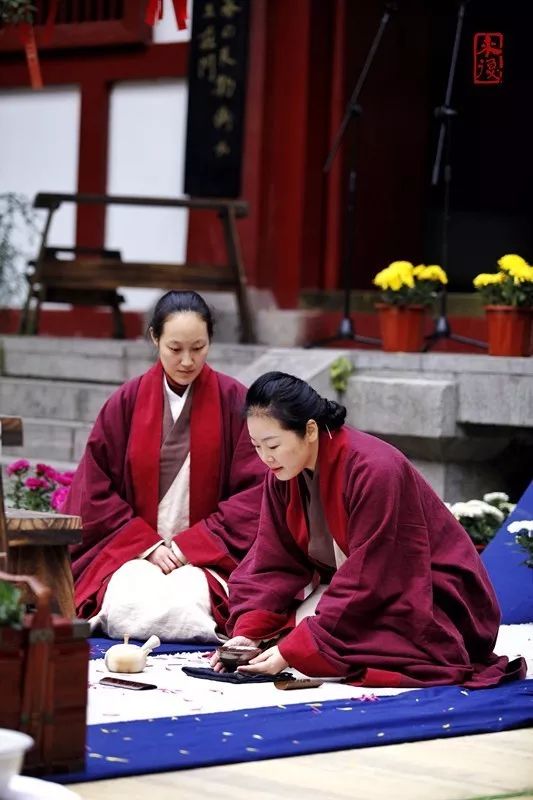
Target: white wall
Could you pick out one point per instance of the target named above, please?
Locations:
(39, 139)
(39, 134)
(146, 157)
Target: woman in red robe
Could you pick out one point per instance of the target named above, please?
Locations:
(396, 594)
(169, 490)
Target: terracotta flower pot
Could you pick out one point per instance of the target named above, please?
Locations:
(401, 327)
(509, 330)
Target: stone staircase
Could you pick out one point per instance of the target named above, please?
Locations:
(465, 420)
(58, 386)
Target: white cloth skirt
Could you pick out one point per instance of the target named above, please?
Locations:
(140, 600)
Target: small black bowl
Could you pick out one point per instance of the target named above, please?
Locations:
(236, 655)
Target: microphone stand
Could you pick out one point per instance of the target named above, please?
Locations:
(346, 329)
(445, 113)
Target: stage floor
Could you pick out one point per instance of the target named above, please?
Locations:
(492, 765)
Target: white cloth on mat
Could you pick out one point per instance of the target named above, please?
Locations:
(140, 600)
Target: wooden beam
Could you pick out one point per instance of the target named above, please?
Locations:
(92, 66)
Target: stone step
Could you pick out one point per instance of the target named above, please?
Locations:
(53, 400)
(458, 417)
(55, 442)
(101, 361)
(54, 358)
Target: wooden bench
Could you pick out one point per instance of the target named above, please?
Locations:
(92, 276)
(36, 543)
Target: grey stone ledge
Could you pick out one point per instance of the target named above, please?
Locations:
(406, 407)
(483, 400)
(59, 400)
(59, 345)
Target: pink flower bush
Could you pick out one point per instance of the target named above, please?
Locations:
(64, 478)
(58, 497)
(42, 488)
(18, 467)
(45, 471)
(35, 483)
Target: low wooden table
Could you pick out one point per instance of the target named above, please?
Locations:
(38, 545)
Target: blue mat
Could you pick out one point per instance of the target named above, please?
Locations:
(159, 745)
(504, 560)
(172, 743)
(100, 646)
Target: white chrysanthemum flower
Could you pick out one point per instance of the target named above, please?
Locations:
(469, 510)
(494, 512)
(508, 507)
(487, 509)
(495, 497)
(521, 525)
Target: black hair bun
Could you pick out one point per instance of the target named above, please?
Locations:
(334, 415)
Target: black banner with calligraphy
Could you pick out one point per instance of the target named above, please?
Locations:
(217, 84)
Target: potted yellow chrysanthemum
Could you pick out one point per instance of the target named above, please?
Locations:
(508, 297)
(406, 291)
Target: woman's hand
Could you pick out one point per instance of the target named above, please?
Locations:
(240, 641)
(164, 558)
(270, 662)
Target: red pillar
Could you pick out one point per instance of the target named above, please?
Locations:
(92, 172)
(250, 228)
(284, 156)
(333, 206)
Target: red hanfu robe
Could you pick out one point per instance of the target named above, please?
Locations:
(116, 486)
(411, 605)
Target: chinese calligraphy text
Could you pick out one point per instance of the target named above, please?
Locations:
(217, 72)
(488, 58)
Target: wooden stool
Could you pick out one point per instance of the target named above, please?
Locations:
(38, 545)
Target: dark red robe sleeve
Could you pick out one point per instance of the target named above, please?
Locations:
(264, 588)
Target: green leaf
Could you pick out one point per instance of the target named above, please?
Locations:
(339, 373)
(11, 610)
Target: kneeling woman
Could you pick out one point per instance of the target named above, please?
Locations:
(169, 490)
(396, 594)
